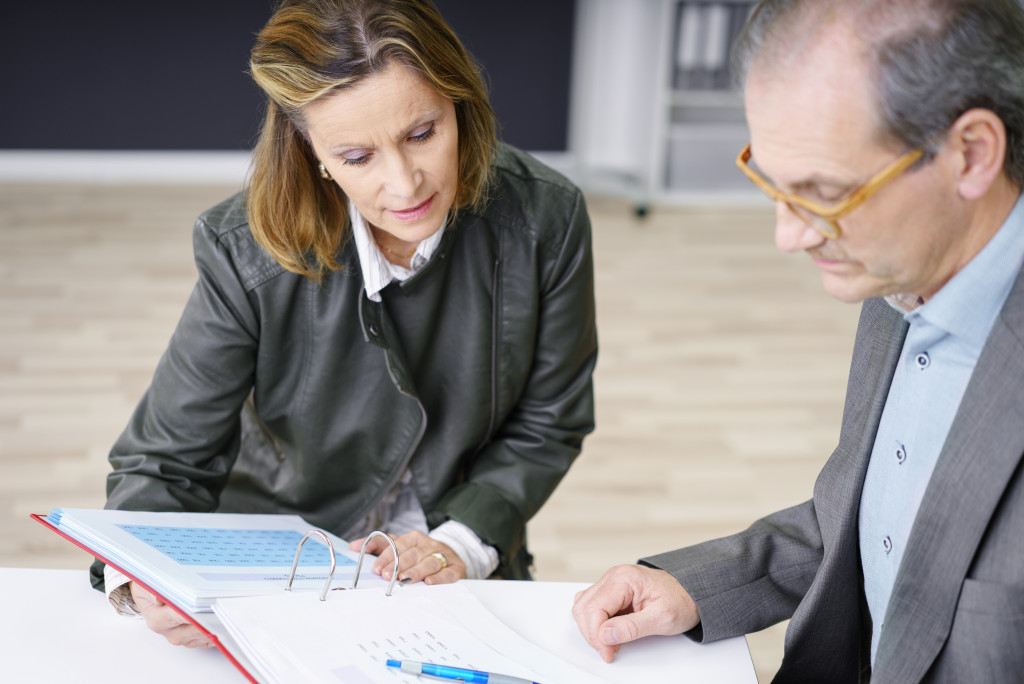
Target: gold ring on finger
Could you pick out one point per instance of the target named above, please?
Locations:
(440, 559)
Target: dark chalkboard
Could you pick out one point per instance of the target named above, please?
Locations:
(120, 75)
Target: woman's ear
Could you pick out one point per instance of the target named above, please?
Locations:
(977, 140)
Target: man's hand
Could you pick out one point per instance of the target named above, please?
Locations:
(164, 620)
(416, 561)
(629, 602)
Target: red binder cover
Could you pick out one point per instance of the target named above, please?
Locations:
(216, 640)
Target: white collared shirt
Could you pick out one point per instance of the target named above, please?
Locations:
(378, 272)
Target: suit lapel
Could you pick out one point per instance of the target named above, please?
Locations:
(825, 623)
(981, 453)
(883, 331)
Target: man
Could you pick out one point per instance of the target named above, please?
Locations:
(889, 134)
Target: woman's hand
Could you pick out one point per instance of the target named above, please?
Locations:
(166, 621)
(417, 561)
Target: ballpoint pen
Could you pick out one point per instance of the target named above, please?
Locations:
(455, 673)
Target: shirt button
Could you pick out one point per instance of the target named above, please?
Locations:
(923, 360)
(887, 545)
(901, 454)
(374, 330)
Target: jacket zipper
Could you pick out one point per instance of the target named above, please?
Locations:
(496, 316)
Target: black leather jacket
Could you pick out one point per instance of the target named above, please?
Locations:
(475, 372)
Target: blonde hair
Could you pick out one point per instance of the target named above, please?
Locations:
(311, 49)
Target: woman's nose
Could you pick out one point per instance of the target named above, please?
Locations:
(403, 177)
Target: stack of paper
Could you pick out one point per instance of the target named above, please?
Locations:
(350, 636)
(198, 562)
(191, 559)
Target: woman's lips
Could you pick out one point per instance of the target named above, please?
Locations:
(414, 213)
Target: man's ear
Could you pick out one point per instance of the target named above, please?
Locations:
(977, 140)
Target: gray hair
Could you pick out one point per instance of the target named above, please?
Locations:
(934, 60)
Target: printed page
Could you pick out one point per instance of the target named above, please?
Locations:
(350, 636)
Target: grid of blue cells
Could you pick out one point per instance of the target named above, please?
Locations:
(228, 547)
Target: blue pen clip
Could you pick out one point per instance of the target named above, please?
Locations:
(454, 674)
(431, 671)
(424, 675)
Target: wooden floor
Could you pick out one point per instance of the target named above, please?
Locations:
(719, 385)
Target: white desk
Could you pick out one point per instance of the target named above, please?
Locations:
(56, 628)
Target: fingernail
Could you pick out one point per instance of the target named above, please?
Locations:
(611, 636)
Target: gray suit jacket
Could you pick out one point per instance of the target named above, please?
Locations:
(957, 608)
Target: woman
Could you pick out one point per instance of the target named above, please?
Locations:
(393, 326)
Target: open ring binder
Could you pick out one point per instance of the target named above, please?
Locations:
(359, 562)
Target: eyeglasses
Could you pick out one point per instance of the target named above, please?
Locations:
(823, 219)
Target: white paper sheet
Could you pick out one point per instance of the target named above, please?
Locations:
(543, 615)
(349, 637)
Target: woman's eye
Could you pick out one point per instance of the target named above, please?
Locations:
(425, 135)
(357, 161)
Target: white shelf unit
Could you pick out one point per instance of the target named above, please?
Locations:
(641, 125)
(699, 124)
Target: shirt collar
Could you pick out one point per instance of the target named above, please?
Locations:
(378, 272)
(967, 306)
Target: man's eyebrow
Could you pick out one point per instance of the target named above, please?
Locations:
(816, 181)
(812, 182)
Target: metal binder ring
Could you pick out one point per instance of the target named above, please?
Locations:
(362, 552)
(330, 547)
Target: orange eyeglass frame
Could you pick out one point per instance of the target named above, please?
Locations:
(828, 225)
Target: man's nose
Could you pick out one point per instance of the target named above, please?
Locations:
(792, 233)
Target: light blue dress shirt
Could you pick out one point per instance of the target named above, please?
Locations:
(943, 343)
